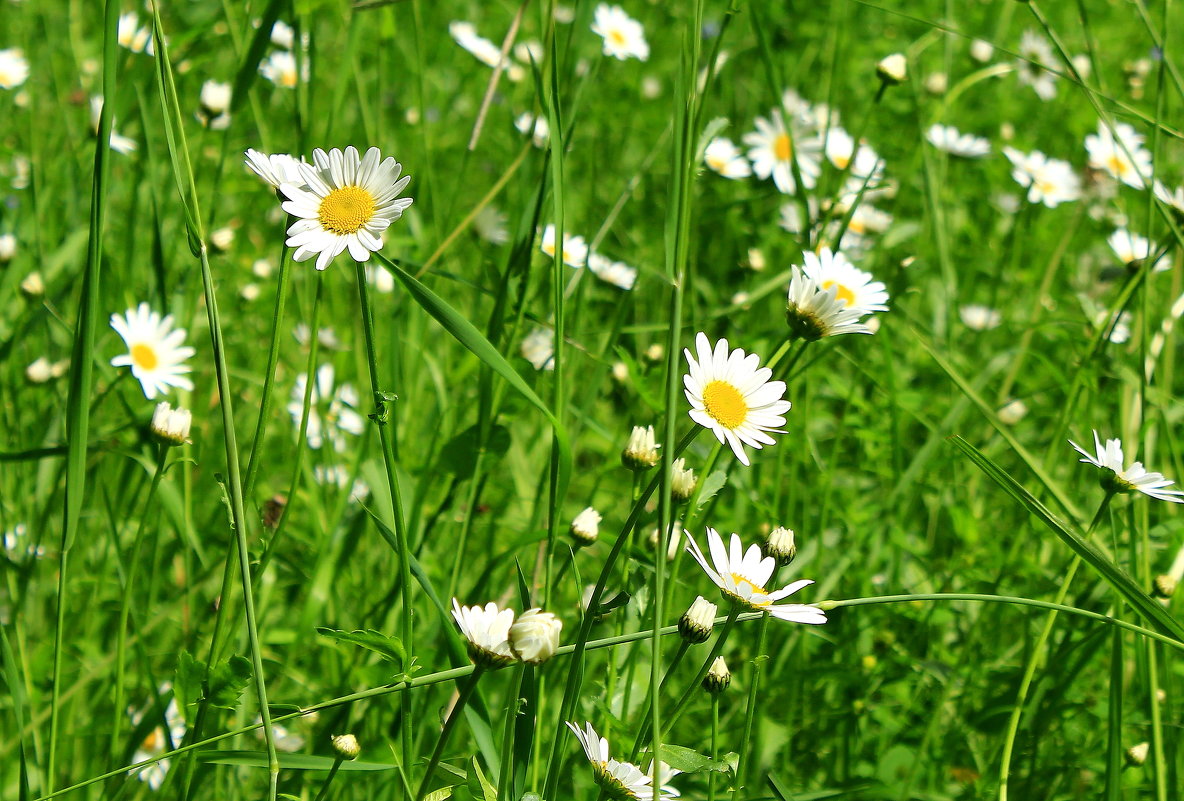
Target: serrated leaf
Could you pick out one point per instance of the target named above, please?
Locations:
(258, 759)
(688, 760)
(711, 486)
(227, 682)
(439, 795)
(389, 648)
(187, 680)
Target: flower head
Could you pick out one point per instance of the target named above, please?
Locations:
(893, 68)
(345, 202)
(170, 426)
(465, 34)
(537, 128)
(854, 289)
(158, 741)
(585, 528)
(621, 781)
(155, 352)
(726, 159)
(773, 151)
(623, 36)
(682, 480)
(979, 318)
(129, 34)
(696, 623)
(641, 451)
(1034, 52)
(1120, 153)
(487, 633)
(1134, 250)
(1049, 181)
(346, 745)
(538, 348)
(718, 677)
(275, 168)
(812, 312)
(617, 273)
(534, 637)
(742, 576)
(732, 396)
(14, 69)
(280, 69)
(332, 411)
(949, 139)
(780, 545)
(215, 105)
(1135, 478)
(575, 249)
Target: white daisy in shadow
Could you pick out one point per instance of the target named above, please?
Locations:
(622, 781)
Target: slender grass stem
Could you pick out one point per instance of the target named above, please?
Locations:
(744, 766)
(466, 692)
(716, 649)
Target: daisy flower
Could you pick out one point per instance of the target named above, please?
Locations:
(575, 250)
(839, 147)
(726, 159)
(617, 273)
(855, 290)
(1134, 478)
(621, 781)
(1132, 249)
(742, 576)
(155, 352)
(1120, 153)
(538, 348)
(332, 411)
(14, 69)
(156, 742)
(623, 36)
(346, 202)
(215, 105)
(485, 51)
(813, 313)
(1034, 52)
(771, 149)
(979, 318)
(1049, 181)
(866, 220)
(732, 397)
(1172, 197)
(949, 139)
(274, 168)
(536, 128)
(280, 69)
(118, 142)
(490, 225)
(129, 34)
(487, 633)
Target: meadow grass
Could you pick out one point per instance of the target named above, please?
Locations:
(374, 444)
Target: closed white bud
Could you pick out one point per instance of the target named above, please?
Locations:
(893, 68)
(222, 239)
(586, 527)
(1013, 412)
(170, 426)
(33, 287)
(39, 371)
(7, 247)
(1165, 585)
(346, 746)
(641, 451)
(696, 623)
(534, 637)
(1136, 755)
(981, 50)
(718, 677)
(215, 97)
(781, 546)
(682, 481)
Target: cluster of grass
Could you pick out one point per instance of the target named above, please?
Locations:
(925, 468)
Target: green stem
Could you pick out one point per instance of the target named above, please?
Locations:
(716, 650)
(466, 692)
(746, 752)
(329, 779)
(642, 735)
(503, 779)
(714, 744)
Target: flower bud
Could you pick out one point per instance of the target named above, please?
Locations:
(718, 677)
(1136, 755)
(7, 247)
(780, 545)
(215, 97)
(534, 637)
(1165, 585)
(981, 50)
(682, 481)
(39, 371)
(170, 426)
(641, 452)
(892, 69)
(696, 623)
(586, 527)
(346, 746)
(33, 286)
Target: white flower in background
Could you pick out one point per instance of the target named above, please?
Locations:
(855, 289)
(337, 475)
(726, 159)
(813, 313)
(866, 220)
(381, 279)
(487, 633)
(641, 451)
(7, 247)
(535, 127)
(490, 225)
(1118, 328)
(1120, 153)
(732, 396)
(893, 68)
(1135, 478)
(156, 743)
(346, 204)
(170, 426)
(285, 740)
(617, 273)
(742, 576)
(40, 371)
(1131, 249)
(1012, 412)
(621, 781)
(529, 50)
(936, 83)
(274, 168)
(326, 337)
(118, 142)
(623, 36)
(215, 105)
(979, 318)
(585, 528)
(575, 250)
(839, 147)
(538, 348)
(485, 51)
(949, 139)
(332, 412)
(32, 286)
(657, 536)
(129, 34)
(222, 238)
(15, 541)
(1049, 181)
(280, 69)
(155, 352)
(790, 215)
(1172, 197)
(282, 35)
(772, 152)
(981, 50)
(1035, 51)
(14, 69)
(534, 636)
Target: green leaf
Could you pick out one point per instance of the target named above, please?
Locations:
(227, 682)
(459, 455)
(688, 760)
(187, 680)
(390, 648)
(439, 795)
(711, 486)
(258, 759)
(478, 785)
(1071, 535)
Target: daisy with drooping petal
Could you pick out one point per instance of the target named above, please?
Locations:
(1135, 478)
(726, 159)
(275, 168)
(155, 352)
(854, 288)
(1035, 52)
(1132, 249)
(732, 396)
(14, 69)
(575, 249)
(742, 576)
(773, 151)
(952, 141)
(621, 781)
(812, 312)
(1049, 181)
(1120, 153)
(332, 412)
(487, 633)
(346, 202)
(617, 273)
(623, 36)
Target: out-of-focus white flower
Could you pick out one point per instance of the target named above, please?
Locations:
(118, 142)
(893, 68)
(726, 159)
(170, 426)
(949, 139)
(1132, 249)
(1120, 153)
(156, 743)
(535, 127)
(465, 34)
(331, 414)
(1012, 412)
(129, 34)
(1048, 181)
(14, 69)
(979, 318)
(7, 247)
(490, 225)
(936, 83)
(623, 36)
(981, 50)
(1118, 328)
(538, 348)
(617, 273)
(773, 152)
(585, 528)
(1035, 52)
(222, 238)
(282, 35)
(39, 371)
(215, 105)
(575, 250)
(855, 289)
(280, 69)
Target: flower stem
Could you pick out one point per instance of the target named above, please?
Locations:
(716, 650)
(329, 779)
(466, 692)
(746, 749)
(714, 745)
(503, 779)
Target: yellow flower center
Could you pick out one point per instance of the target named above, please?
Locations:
(616, 37)
(782, 149)
(345, 210)
(1116, 165)
(841, 161)
(725, 404)
(153, 741)
(843, 294)
(716, 163)
(742, 582)
(1045, 187)
(144, 356)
